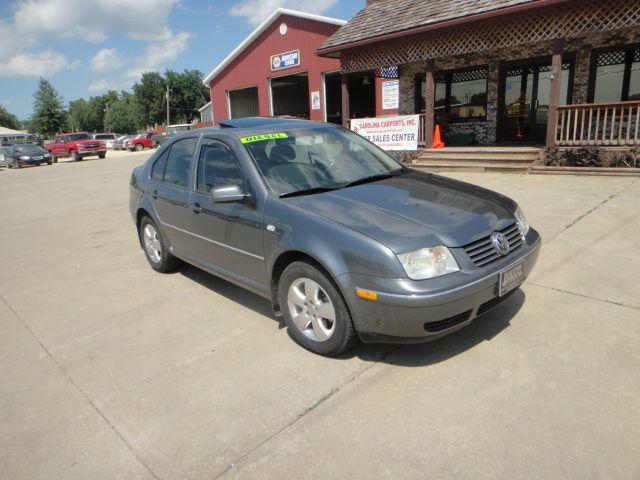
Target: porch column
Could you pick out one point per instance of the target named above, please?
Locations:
(429, 94)
(554, 94)
(345, 100)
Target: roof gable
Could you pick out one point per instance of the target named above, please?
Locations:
(261, 29)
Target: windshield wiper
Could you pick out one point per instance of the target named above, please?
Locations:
(309, 191)
(378, 176)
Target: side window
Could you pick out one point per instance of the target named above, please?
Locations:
(217, 167)
(157, 172)
(179, 161)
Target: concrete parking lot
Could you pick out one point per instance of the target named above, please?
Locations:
(110, 370)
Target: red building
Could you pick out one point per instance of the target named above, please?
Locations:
(275, 71)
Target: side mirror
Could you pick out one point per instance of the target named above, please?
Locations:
(227, 194)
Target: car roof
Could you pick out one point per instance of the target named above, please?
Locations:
(253, 125)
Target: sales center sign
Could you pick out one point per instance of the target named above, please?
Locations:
(284, 60)
(389, 133)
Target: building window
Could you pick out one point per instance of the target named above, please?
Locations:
(461, 95)
(616, 75)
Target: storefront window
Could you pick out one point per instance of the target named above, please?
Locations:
(617, 76)
(461, 95)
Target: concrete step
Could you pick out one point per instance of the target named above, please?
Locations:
(491, 161)
(470, 167)
(480, 156)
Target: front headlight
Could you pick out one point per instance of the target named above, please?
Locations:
(523, 225)
(47, 155)
(428, 263)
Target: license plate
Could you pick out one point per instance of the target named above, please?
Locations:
(510, 279)
(37, 158)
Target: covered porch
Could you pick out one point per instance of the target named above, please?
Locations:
(542, 73)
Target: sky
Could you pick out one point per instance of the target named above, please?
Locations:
(87, 47)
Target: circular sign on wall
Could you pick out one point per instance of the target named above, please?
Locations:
(283, 28)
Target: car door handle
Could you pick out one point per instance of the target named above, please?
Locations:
(154, 194)
(196, 208)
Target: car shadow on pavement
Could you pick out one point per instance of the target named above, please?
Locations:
(229, 290)
(482, 329)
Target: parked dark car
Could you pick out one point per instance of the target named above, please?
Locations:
(343, 240)
(23, 154)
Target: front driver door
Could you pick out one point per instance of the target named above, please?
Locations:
(230, 235)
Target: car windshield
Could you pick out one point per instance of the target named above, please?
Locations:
(141, 135)
(79, 136)
(313, 160)
(30, 149)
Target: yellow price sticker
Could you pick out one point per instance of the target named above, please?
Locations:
(263, 137)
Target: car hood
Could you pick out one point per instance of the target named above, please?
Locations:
(415, 210)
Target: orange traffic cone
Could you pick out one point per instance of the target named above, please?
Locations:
(437, 141)
(518, 131)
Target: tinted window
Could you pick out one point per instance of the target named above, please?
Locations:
(217, 167)
(79, 136)
(179, 161)
(157, 172)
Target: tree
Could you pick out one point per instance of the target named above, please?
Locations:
(49, 115)
(187, 95)
(8, 119)
(150, 95)
(123, 114)
(78, 115)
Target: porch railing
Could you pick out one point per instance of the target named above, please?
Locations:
(599, 124)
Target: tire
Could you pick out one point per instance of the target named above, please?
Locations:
(139, 147)
(102, 156)
(156, 144)
(155, 248)
(74, 156)
(49, 162)
(16, 163)
(308, 300)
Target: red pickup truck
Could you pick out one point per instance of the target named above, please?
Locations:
(140, 142)
(77, 146)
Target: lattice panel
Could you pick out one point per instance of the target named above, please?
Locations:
(469, 75)
(612, 58)
(388, 72)
(636, 57)
(565, 21)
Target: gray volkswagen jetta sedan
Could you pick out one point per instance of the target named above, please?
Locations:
(344, 241)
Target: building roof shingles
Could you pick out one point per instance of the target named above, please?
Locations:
(389, 16)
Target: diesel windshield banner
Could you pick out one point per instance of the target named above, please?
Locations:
(285, 60)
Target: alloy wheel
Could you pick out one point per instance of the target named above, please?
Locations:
(311, 309)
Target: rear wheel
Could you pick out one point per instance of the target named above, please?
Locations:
(314, 311)
(139, 147)
(155, 248)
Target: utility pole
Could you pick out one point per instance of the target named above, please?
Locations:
(106, 112)
(168, 104)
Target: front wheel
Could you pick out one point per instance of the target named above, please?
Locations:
(74, 156)
(16, 163)
(139, 147)
(155, 248)
(314, 311)
(102, 156)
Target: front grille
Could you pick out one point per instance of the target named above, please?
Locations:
(441, 325)
(90, 145)
(482, 252)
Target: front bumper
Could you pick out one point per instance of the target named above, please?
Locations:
(89, 153)
(419, 311)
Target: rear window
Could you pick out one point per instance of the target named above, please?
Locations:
(104, 136)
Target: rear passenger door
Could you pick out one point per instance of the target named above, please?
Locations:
(230, 235)
(169, 191)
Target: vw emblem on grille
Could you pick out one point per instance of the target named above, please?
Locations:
(500, 243)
